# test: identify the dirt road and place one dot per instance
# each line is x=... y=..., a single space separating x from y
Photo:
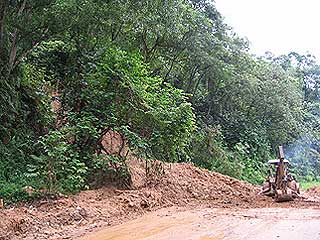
x=216 y=224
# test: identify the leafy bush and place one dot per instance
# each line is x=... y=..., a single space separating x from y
x=24 y=113
x=208 y=151
x=59 y=167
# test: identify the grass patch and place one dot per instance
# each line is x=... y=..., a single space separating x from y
x=307 y=185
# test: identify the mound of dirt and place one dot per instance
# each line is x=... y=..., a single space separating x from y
x=182 y=183
x=164 y=185
x=313 y=193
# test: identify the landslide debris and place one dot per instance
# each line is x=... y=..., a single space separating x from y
x=156 y=185
x=182 y=183
x=313 y=193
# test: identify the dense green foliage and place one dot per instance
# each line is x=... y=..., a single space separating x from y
x=170 y=76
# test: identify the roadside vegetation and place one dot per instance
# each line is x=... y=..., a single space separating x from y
x=306 y=185
x=170 y=76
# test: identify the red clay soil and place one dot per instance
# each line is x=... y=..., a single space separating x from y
x=165 y=185
x=313 y=193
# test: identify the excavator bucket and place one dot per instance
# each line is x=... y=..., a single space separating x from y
x=283 y=196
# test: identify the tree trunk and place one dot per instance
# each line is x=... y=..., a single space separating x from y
x=3 y=8
x=13 y=51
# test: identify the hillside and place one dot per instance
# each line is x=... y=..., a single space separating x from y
x=111 y=109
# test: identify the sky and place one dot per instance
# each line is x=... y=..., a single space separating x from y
x=279 y=26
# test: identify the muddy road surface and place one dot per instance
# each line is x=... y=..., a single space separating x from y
x=216 y=224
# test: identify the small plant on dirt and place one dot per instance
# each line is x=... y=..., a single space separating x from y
x=58 y=167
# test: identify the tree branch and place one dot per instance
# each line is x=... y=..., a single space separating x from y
x=172 y=64
x=3 y=9
x=115 y=34
x=27 y=51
